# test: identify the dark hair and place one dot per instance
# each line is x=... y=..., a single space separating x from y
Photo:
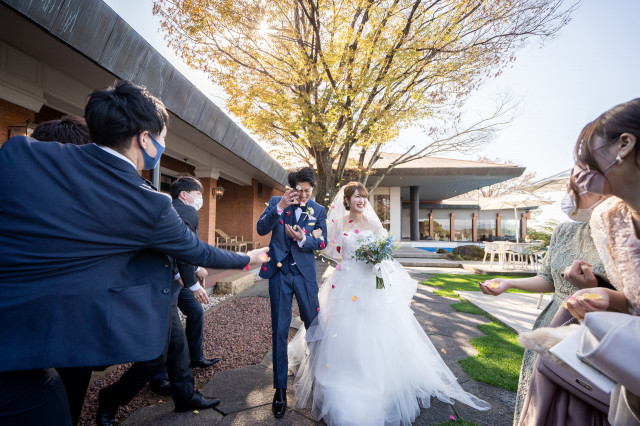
x=69 y=129
x=350 y=189
x=119 y=112
x=304 y=174
x=623 y=118
x=184 y=183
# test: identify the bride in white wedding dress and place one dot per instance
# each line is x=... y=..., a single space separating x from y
x=366 y=360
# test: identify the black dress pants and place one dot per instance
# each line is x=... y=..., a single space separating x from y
x=33 y=397
x=76 y=381
x=176 y=354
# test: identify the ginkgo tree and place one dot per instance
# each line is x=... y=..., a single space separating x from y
x=330 y=82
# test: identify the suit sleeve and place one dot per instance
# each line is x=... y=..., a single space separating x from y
x=171 y=236
x=187 y=270
x=317 y=243
x=269 y=217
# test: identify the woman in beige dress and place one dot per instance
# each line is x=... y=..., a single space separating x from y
x=568 y=266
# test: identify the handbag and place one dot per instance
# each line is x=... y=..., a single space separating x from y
x=610 y=343
x=569 y=379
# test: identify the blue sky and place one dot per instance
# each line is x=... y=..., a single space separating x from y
x=590 y=66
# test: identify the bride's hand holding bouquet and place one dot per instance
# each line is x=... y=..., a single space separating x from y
x=376 y=250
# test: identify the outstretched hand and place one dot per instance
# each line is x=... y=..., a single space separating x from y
x=494 y=287
x=257 y=257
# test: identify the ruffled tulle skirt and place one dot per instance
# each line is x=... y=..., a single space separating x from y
x=366 y=360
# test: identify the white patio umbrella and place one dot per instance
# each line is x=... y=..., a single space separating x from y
x=557 y=182
x=514 y=201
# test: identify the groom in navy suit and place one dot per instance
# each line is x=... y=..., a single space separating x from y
x=292 y=268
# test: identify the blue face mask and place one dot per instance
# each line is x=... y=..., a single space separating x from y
x=149 y=161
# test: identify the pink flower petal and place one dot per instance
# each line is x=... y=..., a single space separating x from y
x=452 y=418
x=356 y=232
x=338 y=267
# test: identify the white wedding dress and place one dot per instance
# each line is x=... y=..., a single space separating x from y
x=366 y=360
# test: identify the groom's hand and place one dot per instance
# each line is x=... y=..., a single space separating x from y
x=297 y=234
x=290 y=197
x=258 y=257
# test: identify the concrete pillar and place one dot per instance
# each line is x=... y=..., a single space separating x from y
x=431 y=224
x=499 y=225
x=474 y=227
x=395 y=212
x=452 y=227
x=414 y=211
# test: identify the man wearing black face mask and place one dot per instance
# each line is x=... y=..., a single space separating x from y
x=84 y=278
x=186 y=193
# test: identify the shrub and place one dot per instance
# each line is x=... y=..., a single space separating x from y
x=469 y=252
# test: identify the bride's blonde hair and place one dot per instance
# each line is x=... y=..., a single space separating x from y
x=350 y=189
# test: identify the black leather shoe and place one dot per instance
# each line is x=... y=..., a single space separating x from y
x=197 y=402
x=279 y=405
x=161 y=387
x=203 y=363
x=107 y=410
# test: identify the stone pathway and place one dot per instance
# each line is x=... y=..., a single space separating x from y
x=246 y=393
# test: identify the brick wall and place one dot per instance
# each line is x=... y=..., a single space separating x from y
x=11 y=115
x=235 y=210
x=240 y=208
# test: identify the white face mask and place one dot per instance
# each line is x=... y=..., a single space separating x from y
x=568 y=206
x=197 y=202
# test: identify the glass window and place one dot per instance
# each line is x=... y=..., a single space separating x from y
x=441 y=230
x=509 y=228
x=486 y=229
x=463 y=228
x=382 y=207
x=165 y=183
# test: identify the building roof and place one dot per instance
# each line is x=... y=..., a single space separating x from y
x=96 y=32
x=442 y=178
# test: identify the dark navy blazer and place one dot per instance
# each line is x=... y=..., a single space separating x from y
x=280 y=244
x=84 y=274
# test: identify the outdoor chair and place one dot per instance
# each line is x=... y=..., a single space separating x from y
x=224 y=241
x=490 y=249
x=254 y=244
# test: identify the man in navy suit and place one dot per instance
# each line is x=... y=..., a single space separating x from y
x=291 y=270
x=186 y=195
x=84 y=274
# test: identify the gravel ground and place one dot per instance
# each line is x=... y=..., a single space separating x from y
x=238 y=332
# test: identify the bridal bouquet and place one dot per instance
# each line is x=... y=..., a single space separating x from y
x=375 y=250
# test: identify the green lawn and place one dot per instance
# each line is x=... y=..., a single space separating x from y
x=449 y=283
x=499 y=354
x=457 y=422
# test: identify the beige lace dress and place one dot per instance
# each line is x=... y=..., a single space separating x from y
x=570 y=241
x=619 y=247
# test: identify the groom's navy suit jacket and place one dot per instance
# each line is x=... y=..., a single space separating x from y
x=84 y=275
x=281 y=244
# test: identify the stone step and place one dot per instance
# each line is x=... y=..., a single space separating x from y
x=234 y=284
